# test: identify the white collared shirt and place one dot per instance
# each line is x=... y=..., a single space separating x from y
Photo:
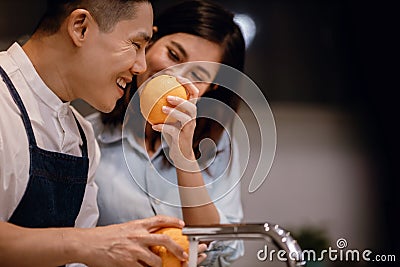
x=54 y=127
x=132 y=186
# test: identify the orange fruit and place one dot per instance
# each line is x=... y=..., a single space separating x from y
x=154 y=96
x=168 y=259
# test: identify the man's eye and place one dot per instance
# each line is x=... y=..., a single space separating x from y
x=174 y=56
x=137 y=45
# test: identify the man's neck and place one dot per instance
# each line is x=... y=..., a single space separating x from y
x=50 y=64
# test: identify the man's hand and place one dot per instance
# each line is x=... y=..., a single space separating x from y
x=128 y=244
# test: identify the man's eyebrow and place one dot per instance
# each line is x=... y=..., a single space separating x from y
x=143 y=35
x=180 y=48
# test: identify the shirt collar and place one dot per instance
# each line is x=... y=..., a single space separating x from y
x=138 y=144
x=37 y=85
x=109 y=134
x=123 y=134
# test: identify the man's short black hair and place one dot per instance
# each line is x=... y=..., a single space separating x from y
x=106 y=13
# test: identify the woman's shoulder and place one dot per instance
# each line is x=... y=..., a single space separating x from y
x=106 y=134
x=226 y=140
x=95 y=120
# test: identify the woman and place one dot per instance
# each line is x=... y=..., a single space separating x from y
x=187 y=32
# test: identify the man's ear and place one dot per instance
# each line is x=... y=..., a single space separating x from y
x=151 y=42
x=77 y=25
x=155 y=29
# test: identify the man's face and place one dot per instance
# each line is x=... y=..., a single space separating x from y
x=110 y=59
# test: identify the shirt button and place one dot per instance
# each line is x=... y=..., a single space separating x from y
x=63 y=111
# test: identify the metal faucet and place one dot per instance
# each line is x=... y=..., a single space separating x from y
x=272 y=233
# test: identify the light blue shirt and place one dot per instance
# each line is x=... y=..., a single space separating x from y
x=134 y=186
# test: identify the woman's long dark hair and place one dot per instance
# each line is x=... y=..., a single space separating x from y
x=212 y=22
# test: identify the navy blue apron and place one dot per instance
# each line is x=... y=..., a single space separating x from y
x=57 y=181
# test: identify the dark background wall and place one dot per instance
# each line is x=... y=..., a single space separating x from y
x=331 y=54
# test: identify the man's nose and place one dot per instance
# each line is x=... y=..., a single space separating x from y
x=139 y=66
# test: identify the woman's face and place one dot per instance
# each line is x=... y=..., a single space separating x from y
x=180 y=48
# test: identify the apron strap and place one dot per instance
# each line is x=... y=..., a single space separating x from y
x=17 y=99
x=83 y=136
x=25 y=118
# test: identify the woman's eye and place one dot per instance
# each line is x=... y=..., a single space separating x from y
x=173 y=55
x=196 y=77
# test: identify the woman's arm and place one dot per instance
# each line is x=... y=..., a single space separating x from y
x=197 y=206
x=226 y=174
x=191 y=181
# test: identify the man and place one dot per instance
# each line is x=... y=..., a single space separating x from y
x=81 y=49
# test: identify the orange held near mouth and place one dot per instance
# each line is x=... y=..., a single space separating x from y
x=168 y=259
x=154 y=97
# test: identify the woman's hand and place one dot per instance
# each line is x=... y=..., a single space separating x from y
x=179 y=135
x=201 y=256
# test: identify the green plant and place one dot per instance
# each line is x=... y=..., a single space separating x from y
x=314 y=238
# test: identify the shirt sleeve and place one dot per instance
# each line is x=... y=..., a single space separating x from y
x=3 y=178
x=223 y=181
x=2 y=175
x=13 y=177
x=230 y=205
